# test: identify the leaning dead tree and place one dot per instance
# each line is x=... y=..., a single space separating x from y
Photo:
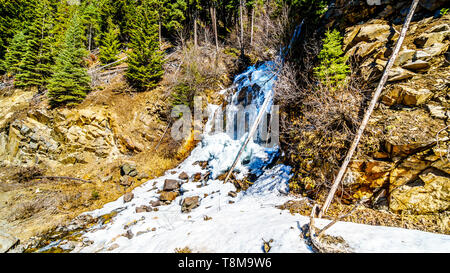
x=374 y=101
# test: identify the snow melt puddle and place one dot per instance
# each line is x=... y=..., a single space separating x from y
x=223 y=223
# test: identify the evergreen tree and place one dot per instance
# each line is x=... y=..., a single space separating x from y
x=145 y=60
x=91 y=20
x=15 y=53
x=176 y=15
x=69 y=84
x=110 y=44
x=14 y=17
x=35 y=68
x=333 y=68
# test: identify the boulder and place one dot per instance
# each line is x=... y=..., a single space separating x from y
x=168 y=196
x=183 y=176
x=156 y=203
x=143 y=209
x=189 y=203
x=414 y=97
x=403 y=94
x=128 y=168
x=128 y=197
x=373 y=32
x=197 y=177
x=171 y=185
x=430 y=193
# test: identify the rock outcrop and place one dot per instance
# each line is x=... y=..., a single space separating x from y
x=411 y=125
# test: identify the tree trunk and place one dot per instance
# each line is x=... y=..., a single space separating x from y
x=195 y=30
x=90 y=37
x=370 y=109
x=214 y=21
x=251 y=26
x=241 y=7
x=159 y=33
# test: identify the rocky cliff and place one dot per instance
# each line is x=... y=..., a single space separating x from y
x=406 y=166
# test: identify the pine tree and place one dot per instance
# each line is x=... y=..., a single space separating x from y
x=14 y=16
x=110 y=44
x=15 y=53
x=176 y=15
x=145 y=60
x=69 y=84
x=91 y=21
x=333 y=68
x=35 y=68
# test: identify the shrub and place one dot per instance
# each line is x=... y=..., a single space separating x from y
x=332 y=69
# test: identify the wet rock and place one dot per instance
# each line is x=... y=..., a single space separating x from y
x=128 y=197
x=171 y=185
x=430 y=193
x=168 y=196
x=189 y=203
x=7 y=242
x=183 y=176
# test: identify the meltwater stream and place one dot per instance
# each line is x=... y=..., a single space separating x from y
x=216 y=222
